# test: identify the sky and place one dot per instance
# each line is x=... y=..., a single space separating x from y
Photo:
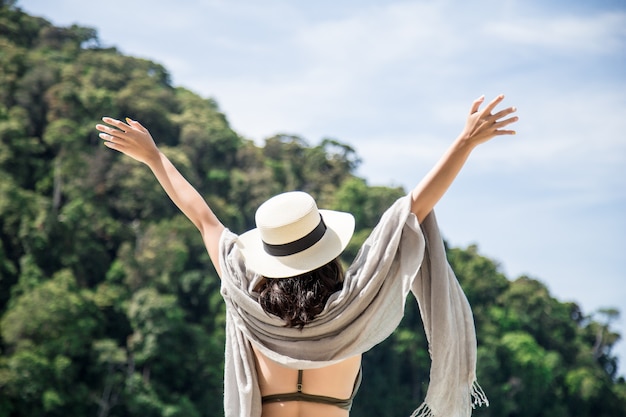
x=395 y=80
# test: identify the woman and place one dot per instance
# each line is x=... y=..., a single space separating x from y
x=296 y=324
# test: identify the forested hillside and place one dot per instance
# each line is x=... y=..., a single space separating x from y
x=109 y=305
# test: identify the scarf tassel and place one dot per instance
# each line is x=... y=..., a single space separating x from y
x=479 y=398
x=423 y=411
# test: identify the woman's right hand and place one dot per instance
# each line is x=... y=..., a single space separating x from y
x=130 y=138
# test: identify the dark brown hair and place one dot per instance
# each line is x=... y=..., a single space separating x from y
x=298 y=299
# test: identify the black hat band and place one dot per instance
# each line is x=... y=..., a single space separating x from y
x=299 y=245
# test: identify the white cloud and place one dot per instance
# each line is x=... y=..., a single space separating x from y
x=376 y=37
x=596 y=33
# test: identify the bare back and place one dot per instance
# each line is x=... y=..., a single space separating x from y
x=335 y=381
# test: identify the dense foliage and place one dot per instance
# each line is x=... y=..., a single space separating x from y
x=109 y=305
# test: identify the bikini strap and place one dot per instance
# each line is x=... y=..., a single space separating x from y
x=299 y=386
x=320 y=399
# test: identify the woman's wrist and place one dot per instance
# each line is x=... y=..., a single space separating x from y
x=154 y=158
x=464 y=143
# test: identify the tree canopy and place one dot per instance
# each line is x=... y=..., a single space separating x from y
x=109 y=304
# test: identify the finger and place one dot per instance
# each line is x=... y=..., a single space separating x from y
x=476 y=104
x=505 y=112
x=135 y=124
x=105 y=128
x=106 y=137
x=505 y=122
x=109 y=130
x=504 y=132
x=117 y=123
x=114 y=146
x=493 y=104
x=111 y=138
x=102 y=128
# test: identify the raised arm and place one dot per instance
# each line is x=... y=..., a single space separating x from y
x=481 y=126
x=134 y=140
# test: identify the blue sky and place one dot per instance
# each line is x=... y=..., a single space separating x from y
x=395 y=79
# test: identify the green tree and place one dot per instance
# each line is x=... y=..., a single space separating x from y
x=48 y=333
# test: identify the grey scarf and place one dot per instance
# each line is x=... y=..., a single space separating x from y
x=399 y=256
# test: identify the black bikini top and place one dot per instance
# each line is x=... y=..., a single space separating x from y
x=320 y=399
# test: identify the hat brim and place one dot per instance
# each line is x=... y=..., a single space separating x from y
x=340 y=227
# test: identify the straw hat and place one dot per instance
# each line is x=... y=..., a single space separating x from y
x=293 y=236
